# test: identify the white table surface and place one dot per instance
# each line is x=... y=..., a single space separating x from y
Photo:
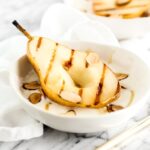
x=29 y=13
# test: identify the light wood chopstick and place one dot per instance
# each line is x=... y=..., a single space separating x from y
x=126 y=134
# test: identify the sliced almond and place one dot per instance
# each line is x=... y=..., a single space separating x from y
x=92 y=58
x=31 y=86
x=112 y=107
x=121 y=76
x=70 y=113
x=122 y=2
x=70 y=96
x=35 y=98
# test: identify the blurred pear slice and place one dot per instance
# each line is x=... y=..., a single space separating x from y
x=121 y=8
x=70 y=77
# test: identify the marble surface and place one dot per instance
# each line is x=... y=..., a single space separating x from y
x=29 y=13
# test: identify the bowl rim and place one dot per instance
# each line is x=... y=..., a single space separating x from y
x=126 y=109
x=118 y=19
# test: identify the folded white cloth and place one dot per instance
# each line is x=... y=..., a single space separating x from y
x=15 y=123
x=64 y=24
x=140 y=46
x=67 y=23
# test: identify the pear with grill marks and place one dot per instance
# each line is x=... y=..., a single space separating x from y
x=70 y=77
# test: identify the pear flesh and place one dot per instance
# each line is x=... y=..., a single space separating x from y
x=70 y=77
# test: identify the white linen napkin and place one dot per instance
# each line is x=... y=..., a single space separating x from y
x=15 y=123
x=139 y=46
x=62 y=23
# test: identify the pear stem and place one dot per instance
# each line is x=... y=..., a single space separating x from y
x=20 y=28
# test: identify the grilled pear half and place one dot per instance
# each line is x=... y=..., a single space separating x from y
x=70 y=77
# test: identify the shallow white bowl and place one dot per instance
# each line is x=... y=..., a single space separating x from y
x=122 y=28
x=123 y=60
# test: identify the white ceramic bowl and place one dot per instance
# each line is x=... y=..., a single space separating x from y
x=123 y=28
x=122 y=61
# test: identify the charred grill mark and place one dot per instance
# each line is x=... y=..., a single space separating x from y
x=38 y=43
x=62 y=86
x=86 y=63
x=77 y=85
x=100 y=86
x=106 y=15
x=68 y=63
x=98 y=93
x=80 y=92
x=50 y=64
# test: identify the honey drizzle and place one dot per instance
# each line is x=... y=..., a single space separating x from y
x=50 y=64
x=68 y=63
x=132 y=95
